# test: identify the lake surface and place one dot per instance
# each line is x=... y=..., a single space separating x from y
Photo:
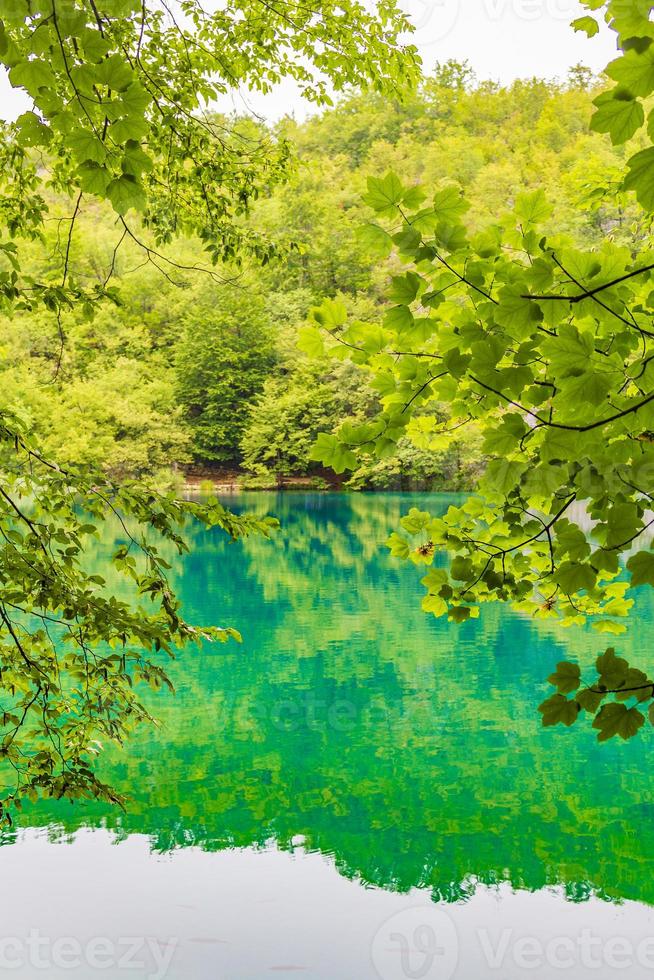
x=357 y=791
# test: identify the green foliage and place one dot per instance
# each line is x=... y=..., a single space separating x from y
x=221 y=363
x=285 y=421
x=616 y=699
x=74 y=650
x=118 y=123
x=546 y=349
x=119 y=92
x=113 y=396
x=623 y=109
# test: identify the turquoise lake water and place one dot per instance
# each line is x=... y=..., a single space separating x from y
x=357 y=791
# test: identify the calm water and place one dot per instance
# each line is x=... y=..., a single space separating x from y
x=357 y=791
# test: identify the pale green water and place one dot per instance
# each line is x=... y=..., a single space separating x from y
x=406 y=751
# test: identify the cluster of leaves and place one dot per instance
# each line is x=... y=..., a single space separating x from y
x=615 y=699
x=71 y=651
x=120 y=90
x=623 y=110
x=547 y=349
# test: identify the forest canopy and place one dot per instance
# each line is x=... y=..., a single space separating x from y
x=190 y=374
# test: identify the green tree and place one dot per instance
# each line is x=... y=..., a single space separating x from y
x=285 y=420
x=222 y=362
x=119 y=91
x=546 y=348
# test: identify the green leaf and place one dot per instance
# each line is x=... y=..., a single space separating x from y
x=461 y=614
x=504 y=475
x=32 y=132
x=416 y=520
x=636 y=685
x=618 y=114
x=376 y=241
x=134 y=100
x=450 y=204
x=612 y=670
x=32 y=76
x=516 y=314
x=609 y=626
x=622 y=522
x=434 y=604
x=329 y=451
x=124 y=193
x=129 y=128
x=87 y=146
x=616 y=719
x=311 y=342
x=566 y=678
x=640 y=177
x=136 y=161
x=569 y=352
x=399 y=546
x=558 y=710
x=571 y=541
x=93 y=178
x=413 y=198
x=435 y=579
x=591 y=387
x=589 y=700
x=331 y=314
x=532 y=208
x=399 y=318
x=404 y=289
x=385 y=194
x=641 y=566
x=634 y=70
x=587 y=24
x=575 y=577
x=114 y=72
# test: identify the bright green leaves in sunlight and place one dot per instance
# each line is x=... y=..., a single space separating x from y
x=622 y=110
x=619 y=115
x=541 y=348
x=616 y=698
x=586 y=24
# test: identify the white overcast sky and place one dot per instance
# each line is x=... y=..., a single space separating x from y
x=502 y=40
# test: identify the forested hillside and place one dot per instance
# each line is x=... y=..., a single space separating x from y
x=200 y=372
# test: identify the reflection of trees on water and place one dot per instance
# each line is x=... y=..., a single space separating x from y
x=407 y=749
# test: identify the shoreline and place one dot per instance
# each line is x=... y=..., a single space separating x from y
x=243 y=483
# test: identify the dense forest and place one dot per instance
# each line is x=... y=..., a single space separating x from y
x=193 y=375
